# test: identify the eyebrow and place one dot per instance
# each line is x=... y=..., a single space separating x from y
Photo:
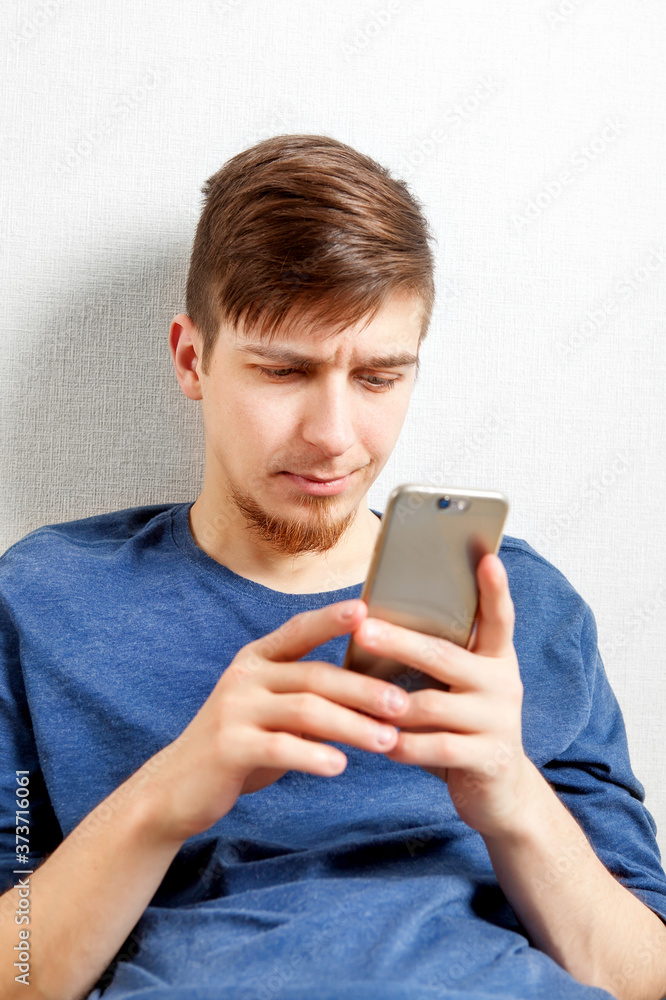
x=290 y=358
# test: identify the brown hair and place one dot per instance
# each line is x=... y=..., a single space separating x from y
x=303 y=227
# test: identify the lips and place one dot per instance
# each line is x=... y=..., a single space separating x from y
x=318 y=479
x=318 y=487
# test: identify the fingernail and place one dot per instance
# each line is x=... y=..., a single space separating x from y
x=347 y=610
x=385 y=735
x=394 y=699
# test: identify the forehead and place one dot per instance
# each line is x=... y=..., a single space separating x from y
x=389 y=340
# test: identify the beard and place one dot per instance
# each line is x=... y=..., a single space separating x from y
x=318 y=530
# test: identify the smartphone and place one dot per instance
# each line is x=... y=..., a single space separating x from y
x=423 y=571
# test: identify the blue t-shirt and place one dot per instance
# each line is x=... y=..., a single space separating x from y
x=114 y=630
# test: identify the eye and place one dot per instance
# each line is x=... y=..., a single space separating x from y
x=280 y=374
x=384 y=383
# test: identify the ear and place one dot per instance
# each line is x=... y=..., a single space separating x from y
x=185 y=347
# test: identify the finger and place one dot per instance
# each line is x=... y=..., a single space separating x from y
x=302 y=633
x=431 y=654
x=303 y=712
x=285 y=752
x=441 y=750
x=494 y=632
x=434 y=711
x=371 y=695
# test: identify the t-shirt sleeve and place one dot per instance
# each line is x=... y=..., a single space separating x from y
x=19 y=757
x=594 y=779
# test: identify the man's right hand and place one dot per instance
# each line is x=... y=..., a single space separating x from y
x=265 y=716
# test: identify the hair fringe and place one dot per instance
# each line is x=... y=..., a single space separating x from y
x=304 y=229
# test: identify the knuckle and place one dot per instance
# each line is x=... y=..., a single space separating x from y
x=428 y=705
x=432 y=651
x=274 y=748
x=409 y=754
x=510 y=685
x=272 y=641
x=441 y=649
x=230 y=709
x=314 y=674
x=443 y=646
x=306 y=707
x=228 y=738
x=516 y=692
x=369 y=728
x=447 y=749
x=430 y=647
x=269 y=644
x=248 y=664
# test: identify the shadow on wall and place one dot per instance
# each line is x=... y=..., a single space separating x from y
x=93 y=418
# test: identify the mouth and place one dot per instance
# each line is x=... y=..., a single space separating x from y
x=320 y=479
x=316 y=486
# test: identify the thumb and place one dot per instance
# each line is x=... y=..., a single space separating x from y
x=302 y=633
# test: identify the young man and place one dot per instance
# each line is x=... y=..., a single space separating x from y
x=208 y=805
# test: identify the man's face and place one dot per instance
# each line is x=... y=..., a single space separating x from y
x=269 y=419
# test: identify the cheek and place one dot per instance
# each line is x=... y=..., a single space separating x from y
x=245 y=426
x=380 y=427
x=228 y=407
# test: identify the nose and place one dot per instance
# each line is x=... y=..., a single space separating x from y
x=328 y=420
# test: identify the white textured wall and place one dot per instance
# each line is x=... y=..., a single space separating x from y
x=533 y=131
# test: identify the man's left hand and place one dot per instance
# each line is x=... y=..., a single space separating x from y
x=471 y=735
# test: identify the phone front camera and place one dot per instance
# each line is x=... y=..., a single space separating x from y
x=444 y=502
